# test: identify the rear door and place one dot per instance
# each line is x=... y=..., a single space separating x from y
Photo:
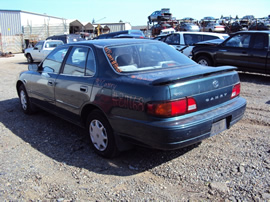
x=236 y=51
x=74 y=83
x=259 y=52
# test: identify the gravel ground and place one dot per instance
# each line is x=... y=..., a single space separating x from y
x=45 y=158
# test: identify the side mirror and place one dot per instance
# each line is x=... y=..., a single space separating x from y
x=33 y=67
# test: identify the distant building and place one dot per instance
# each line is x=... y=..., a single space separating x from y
x=19 y=28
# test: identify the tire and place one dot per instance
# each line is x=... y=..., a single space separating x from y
x=101 y=135
x=29 y=58
x=26 y=105
x=204 y=60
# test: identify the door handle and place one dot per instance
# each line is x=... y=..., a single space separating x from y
x=84 y=89
x=50 y=83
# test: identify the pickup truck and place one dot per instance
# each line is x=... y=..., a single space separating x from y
x=41 y=50
x=247 y=50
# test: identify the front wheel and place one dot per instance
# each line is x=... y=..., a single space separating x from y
x=26 y=105
x=29 y=58
x=101 y=135
x=204 y=60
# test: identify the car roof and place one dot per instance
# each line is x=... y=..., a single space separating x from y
x=205 y=33
x=254 y=31
x=120 y=41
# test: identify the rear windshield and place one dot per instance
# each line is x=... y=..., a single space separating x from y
x=145 y=56
x=53 y=44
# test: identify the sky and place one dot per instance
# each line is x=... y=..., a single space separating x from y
x=136 y=11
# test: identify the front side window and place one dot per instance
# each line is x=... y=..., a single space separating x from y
x=39 y=45
x=52 y=63
x=146 y=56
x=239 y=41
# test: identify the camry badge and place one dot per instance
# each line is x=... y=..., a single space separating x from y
x=215 y=83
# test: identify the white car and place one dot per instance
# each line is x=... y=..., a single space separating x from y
x=183 y=41
x=41 y=50
x=213 y=27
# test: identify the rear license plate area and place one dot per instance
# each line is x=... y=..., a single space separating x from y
x=218 y=127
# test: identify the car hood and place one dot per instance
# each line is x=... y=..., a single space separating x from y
x=28 y=49
x=180 y=74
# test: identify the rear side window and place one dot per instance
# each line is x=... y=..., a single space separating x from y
x=75 y=64
x=208 y=37
x=260 y=41
x=190 y=39
x=80 y=62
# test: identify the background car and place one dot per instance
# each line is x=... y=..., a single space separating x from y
x=191 y=27
x=259 y=25
x=247 y=50
x=67 y=38
x=163 y=14
x=233 y=27
x=247 y=20
x=213 y=27
x=183 y=41
x=123 y=34
x=41 y=50
x=130 y=91
x=156 y=29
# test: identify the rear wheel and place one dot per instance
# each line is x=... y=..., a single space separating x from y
x=101 y=135
x=26 y=105
x=29 y=58
x=204 y=60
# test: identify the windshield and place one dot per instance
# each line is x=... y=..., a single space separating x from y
x=142 y=57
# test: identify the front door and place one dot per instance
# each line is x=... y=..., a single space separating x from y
x=235 y=51
x=43 y=82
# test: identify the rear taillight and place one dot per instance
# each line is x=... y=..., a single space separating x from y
x=235 y=91
x=172 y=108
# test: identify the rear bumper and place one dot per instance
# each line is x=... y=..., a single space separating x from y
x=179 y=132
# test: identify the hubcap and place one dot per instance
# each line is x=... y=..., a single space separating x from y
x=29 y=59
x=98 y=135
x=23 y=100
x=203 y=62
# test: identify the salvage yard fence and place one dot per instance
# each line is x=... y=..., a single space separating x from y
x=13 y=44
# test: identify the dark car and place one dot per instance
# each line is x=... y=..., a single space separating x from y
x=122 y=34
x=247 y=20
x=259 y=26
x=163 y=14
x=248 y=50
x=130 y=91
x=67 y=38
x=156 y=29
x=233 y=27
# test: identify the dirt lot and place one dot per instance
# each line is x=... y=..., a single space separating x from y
x=45 y=158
